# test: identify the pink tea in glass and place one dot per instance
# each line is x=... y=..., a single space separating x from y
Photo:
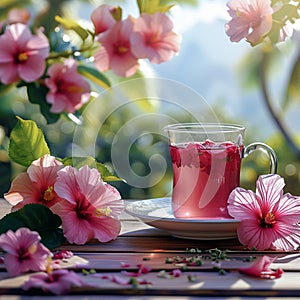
x=206 y=161
x=204 y=174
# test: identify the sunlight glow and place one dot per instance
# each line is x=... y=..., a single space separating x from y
x=205 y=12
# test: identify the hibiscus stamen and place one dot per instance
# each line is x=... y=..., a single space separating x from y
x=32 y=248
x=99 y=212
x=153 y=38
x=49 y=194
x=122 y=49
x=75 y=89
x=268 y=221
x=22 y=56
x=49 y=266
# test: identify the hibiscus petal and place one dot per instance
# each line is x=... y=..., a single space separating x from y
x=39 y=44
x=99 y=193
x=65 y=184
x=23 y=190
x=253 y=236
x=76 y=230
x=269 y=189
x=7 y=49
x=102 y=61
x=242 y=204
x=261 y=30
x=32 y=69
x=19 y=32
x=87 y=178
x=58 y=102
x=287 y=236
x=9 y=242
x=287 y=209
x=44 y=170
x=237 y=29
x=261 y=268
x=8 y=73
x=106 y=229
x=102 y=18
x=124 y=66
x=12 y=265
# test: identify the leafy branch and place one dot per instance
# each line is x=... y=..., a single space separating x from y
x=268 y=101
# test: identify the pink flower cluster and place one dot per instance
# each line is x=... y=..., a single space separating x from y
x=88 y=206
x=29 y=57
x=23 y=57
x=252 y=19
x=124 y=42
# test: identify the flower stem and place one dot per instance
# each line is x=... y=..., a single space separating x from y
x=267 y=99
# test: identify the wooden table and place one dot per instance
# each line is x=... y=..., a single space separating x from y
x=140 y=244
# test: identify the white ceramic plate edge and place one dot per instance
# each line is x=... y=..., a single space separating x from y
x=188 y=228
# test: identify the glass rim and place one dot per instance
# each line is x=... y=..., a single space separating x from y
x=205 y=127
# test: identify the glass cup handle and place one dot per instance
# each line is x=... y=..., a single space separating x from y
x=266 y=149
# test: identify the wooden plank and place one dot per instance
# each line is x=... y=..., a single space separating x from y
x=158 y=261
x=210 y=284
x=151 y=243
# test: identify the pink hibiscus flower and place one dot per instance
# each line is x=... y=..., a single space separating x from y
x=269 y=218
x=115 y=50
x=102 y=18
x=58 y=282
x=68 y=91
x=91 y=206
x=22 y=55
x=37 y=185
x=153 y=38
x=24 y=252
x=251 y=19
x=261 y=268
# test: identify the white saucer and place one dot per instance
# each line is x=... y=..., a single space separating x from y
x=158 y=213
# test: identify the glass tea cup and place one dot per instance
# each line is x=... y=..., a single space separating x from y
x=206 y=162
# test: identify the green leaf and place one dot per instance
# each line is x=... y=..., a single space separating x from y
x=117 y=13
x=106 y=175
x=27 y=143
x=293 y=91
x=152 y=6
x=72 y=25
x=5 y=175
x=287 y=11
x=78 y=162
x=37 y=95
x=94 y=75
x=4 y=88
x=36 y=217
